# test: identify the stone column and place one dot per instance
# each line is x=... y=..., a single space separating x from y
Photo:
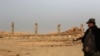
x=59 y=29
x=36 y=29
x=12 y=28
x=82 y=29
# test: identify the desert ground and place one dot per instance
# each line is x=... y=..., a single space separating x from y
x=18 y=47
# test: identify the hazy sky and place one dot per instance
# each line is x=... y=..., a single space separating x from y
x=48 y=13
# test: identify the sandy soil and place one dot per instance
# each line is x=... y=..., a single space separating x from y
x=13 y=47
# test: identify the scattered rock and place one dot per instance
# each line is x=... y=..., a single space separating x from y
x=17 y=55
x=1 y=37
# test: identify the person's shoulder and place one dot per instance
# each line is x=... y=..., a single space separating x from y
x=87 y=30
x=98 y=29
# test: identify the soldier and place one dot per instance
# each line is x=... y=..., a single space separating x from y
x=91 y=39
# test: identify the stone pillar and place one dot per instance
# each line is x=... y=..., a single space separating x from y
x=59 y=29
x=12 y=28
x=82 y=29
x=36 y=29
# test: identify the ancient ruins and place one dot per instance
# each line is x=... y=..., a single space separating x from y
x=59 y=38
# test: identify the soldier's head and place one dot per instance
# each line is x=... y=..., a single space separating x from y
x=91 y=22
